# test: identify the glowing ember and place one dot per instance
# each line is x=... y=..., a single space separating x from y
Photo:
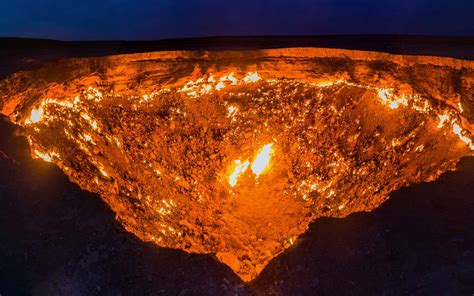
x=262 y=160
x=102 y=171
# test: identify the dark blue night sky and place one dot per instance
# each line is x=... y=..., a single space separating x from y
x=157 y=19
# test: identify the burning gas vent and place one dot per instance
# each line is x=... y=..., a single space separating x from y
x=236 y=153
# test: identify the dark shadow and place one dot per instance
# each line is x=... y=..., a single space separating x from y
x=420 y=241
x=59 y=240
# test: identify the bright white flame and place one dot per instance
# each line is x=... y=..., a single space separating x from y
x=94 y=94
x=211 y=79
x=459 y=132
x=48 y=157
x=456 y=130
x=206 y=89
x=230 y=77
x=394 y=105
x=442 y=120
x=262 y=159
x=88 y=138
x=389 y=99
x=43 y=156
x=240 y=168
x=36 y=115
x=232 y=110
x=94 y=125
x=220 y=85
x=252 y=77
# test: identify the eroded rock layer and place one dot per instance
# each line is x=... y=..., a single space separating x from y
x=235 y=153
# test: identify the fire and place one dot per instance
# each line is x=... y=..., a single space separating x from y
x=240 y=168
x=442 y=120
x=43 y=156
x=262 y=160
x=457 y=130
x=211 y=79
x=230 y=77
x=252 y=77
x=93 y=94
x=36 y=115
x=391 y=100
x=205 y=86
x=326 y=83
x=259 y=165
x=48 y=157
x=88 y=138
x=220 y=85
x=103 y=172
x=232 y=110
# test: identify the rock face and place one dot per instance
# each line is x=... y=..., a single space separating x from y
x=235 y=153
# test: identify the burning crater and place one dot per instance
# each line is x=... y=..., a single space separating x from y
x=235 y=153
